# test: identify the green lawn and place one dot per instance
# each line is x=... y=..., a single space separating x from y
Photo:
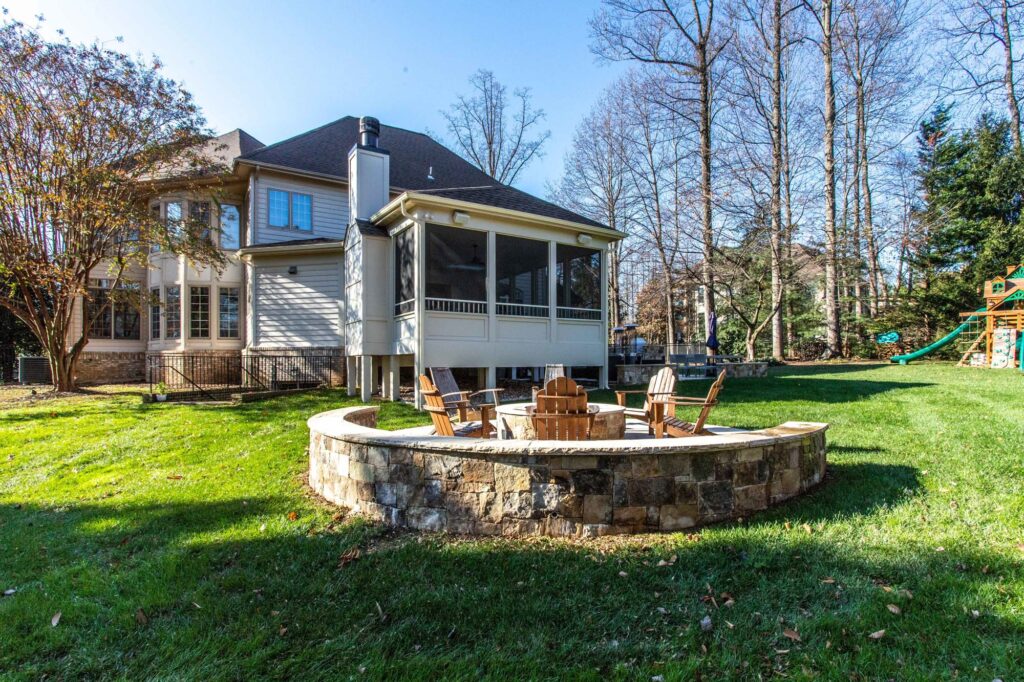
x=179 y=541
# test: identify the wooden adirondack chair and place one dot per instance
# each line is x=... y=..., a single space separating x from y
x=433 y=402
x=457 y=401
x=561 y=412
x=662 y=386
x=551 y=372
x=665 y=421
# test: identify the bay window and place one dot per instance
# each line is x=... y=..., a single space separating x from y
x=522 y=276
x=456 y=270
x=578 y=276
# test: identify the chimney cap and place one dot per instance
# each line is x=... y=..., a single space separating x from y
x=369 y=130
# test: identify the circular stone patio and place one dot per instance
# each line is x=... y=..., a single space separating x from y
x=411 y=478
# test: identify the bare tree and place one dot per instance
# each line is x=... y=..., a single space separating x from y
x=982 y=38
x=596 y=183
x=825 y=18
x=650 y=155
x=84 y=133
x=685 y=39
x=764 y=33
x=496 y=133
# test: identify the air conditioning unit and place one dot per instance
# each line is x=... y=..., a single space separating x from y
x=34 y=370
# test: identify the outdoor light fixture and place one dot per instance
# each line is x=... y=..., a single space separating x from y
x=460 y=217
x=584 y=238
x=293 y=269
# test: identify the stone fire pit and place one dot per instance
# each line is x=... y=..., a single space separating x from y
x=411 y=478
x=514 y=421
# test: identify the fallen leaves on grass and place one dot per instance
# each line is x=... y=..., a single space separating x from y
x=293 y=516
x=140 y=617
x=791 y=634
x=175 y=477
x=828 y=580
x=706 y=624
x=384 y=616
x=893 y=609
x=348 y=557
x=668 y=562
x=10 y=592
x=55 y=619
x=877 y=634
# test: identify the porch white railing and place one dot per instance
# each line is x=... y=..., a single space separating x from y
x=456 y=305
x=565 y=313
x=522 y=310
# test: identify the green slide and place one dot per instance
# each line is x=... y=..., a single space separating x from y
x=941 y=343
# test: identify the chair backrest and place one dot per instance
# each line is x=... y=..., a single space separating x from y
x=709 y=402
x=434 y=404
x=561 y=412
x=445 y=382
x=662 y=385
x=553 y=372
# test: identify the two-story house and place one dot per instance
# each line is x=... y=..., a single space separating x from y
x=375 y=243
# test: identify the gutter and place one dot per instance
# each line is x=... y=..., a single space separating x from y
x=289 y=249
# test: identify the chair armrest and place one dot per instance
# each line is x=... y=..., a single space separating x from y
x=487 y=390
x=463 y=395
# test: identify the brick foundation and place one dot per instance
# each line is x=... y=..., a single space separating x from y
x=111 y=368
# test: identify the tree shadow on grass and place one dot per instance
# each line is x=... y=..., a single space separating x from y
x=218 y=604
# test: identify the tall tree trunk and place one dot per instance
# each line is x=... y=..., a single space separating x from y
x=778 y=348
x=856 y=261
x=832 y=334
x=875 y=281
x=670 y=306
x=1011 y=94
x=708 y=268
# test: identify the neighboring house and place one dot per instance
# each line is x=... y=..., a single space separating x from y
x=375 y=243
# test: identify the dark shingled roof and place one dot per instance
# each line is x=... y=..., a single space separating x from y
x=414 y=156
x=503 y=196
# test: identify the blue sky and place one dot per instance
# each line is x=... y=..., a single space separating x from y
x=277 y=69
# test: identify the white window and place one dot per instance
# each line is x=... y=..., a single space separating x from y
x=227 y=312
x=229 y=227
x=154 y=313
x=172 y=317
x=199 y=313
x=289 y=209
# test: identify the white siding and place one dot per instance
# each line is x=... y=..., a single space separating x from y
x=299 y=310
x=330 y=209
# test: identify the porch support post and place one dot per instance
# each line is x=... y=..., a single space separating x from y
x=351 y=374
x=394 y=385
x=492 y=377
x=365 y=378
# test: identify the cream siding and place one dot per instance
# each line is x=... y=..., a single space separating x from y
x=330 y=209
x=298 y=310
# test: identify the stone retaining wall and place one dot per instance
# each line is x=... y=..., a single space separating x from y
x=550 y=488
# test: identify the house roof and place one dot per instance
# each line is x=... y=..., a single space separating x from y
x=503 y=196
x=414 y=156
x=418 y=163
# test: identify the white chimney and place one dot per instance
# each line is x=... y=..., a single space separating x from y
x=369 y=172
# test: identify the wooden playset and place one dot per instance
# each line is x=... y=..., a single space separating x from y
x=997 y=327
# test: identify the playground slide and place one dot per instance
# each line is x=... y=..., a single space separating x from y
x=941 y=343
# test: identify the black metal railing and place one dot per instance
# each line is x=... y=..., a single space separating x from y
x=209 y=376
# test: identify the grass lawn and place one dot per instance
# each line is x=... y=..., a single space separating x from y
x=178 y=541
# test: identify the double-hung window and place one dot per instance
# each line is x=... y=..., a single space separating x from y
x=172 y=312
x=154 y=313
x=227 y=312
x=230 y=226
x=199 y=312
x=113 y=314
x=289 y=209
x=199 y=216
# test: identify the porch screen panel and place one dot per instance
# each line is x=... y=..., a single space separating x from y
x=405 y=272
x=579 y=282
x=456 y=269
x=522 y=276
